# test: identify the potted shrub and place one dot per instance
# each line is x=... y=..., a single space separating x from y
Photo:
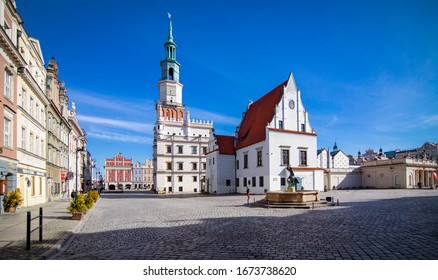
x=13 y=200
x=91 y=197
x=77 y=207
x=94 y=194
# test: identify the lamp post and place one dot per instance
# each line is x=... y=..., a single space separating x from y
x=81 y=149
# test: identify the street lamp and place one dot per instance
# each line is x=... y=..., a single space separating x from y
x=81 y=149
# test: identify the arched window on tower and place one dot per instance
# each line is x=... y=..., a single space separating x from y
x=170 y=73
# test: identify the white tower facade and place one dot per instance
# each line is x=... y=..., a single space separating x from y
x=180 y=143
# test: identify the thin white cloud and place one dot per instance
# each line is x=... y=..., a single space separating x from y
x=117 y=137
x=121 y=124
x=431 y=120
x=119 y=105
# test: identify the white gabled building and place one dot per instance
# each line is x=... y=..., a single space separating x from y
x=274 y=133
x=338 y=173
x=180 y=143
x=221 y=165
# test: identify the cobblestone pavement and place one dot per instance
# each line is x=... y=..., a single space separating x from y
x=367 y=224
x=57 y=228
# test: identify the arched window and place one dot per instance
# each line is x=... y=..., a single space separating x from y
x=170 y=73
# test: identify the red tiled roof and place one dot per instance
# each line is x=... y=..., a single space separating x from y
x=260 y=113
x=226 y=145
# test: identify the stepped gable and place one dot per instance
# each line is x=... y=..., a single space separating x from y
x=226 y=145
x=259 y=114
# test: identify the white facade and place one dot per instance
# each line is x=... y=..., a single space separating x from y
x=137 y=178
x=338 y=172
x=180 y=162
x=31 y=124
x=221 y=166
x=266 y=144
x=180 y=143
x=76 y=150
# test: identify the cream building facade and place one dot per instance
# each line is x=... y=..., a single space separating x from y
x=147 y=170
x=32 y=124
x=58 y=130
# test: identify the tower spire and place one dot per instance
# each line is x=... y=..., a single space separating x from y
x=170 y=38
x=170 y=87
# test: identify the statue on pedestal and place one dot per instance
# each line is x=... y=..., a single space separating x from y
x=292 y=181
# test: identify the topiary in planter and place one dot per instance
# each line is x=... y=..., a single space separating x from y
x=13 y=200
x=94 y=195
x=89 y=201
x=77 y=205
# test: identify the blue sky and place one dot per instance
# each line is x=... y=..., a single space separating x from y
x=367 y=70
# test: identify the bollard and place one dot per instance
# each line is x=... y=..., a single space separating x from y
x=41 y=224
x=313 y=205
x=337 y=202
x=28 y=230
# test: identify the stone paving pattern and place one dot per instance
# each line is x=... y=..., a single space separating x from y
x=368 y=224
x=57 y=228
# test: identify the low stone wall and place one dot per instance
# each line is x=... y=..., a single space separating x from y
x=292 y=197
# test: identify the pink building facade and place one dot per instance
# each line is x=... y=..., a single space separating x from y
x=118 y=173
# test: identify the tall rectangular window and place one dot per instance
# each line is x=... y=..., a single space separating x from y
x=259 y=158
x=23 y=138
x=237 y=182
x=245 y=182
x=180 y=166
x=168 y=165
x=204 y=150
x=237 y=164
x=23 y=99
x=37 y=147
x=8 y=84
x=261 y=181
x=283 y=181
x=168 y=149
x=254 y=181
x=303 y=158
x=280 y=124
x=194 y=166
x=7 y=130
x=180 y=149
x=194 y=150
x=31 y=106
x=195 y=178
x=245 y=161
x=32 y=186
x=37 y=112
x=285 y=157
